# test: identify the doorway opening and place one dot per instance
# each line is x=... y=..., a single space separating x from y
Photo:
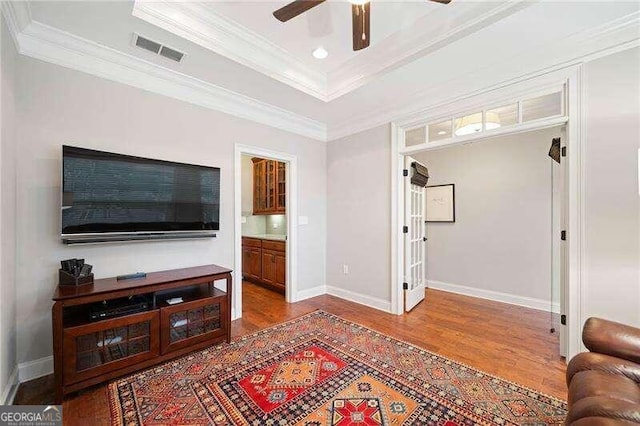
x=265 y=237
x=488 y=223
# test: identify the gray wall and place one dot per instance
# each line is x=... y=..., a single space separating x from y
x=501 y=239
x=7 y=214
x=612 y=219
x=358 y=214
x=59 y=106
x=359 y=188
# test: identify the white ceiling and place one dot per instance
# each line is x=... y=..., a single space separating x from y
x=247 y=32
x=327 y=25
x=421 y=54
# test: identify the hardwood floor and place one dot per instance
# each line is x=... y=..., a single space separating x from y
x=505 y=340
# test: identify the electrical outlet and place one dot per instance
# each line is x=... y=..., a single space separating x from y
x=275 y=225
x=345 y=269
x=243 y=219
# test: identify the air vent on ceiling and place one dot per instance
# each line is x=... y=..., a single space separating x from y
x=157 y=48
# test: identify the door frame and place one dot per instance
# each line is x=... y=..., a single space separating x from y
x=291 y=288
x=572 y=79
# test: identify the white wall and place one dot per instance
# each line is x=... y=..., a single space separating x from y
x=612 y=218
x=7 y=216
x=501 y=239
x=58 y=106
x=359 y=188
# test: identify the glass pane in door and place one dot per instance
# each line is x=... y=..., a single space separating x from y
x=112 y=344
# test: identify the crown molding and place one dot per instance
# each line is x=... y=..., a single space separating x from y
x=607 y=39
x=423 y=38
x=17 y=16
x=49 y=44
x=199 y=24
x=40 y=41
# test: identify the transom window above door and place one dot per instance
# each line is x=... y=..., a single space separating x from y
x=488 y=121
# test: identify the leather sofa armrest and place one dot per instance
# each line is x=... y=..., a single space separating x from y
x=602 y=421
x=596 y=406
x=595 y=361
x=612 y=338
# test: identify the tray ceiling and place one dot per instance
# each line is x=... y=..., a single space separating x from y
x=240 y=69
x=248 y=33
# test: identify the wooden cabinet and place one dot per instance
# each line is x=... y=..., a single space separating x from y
x=252 y=258
x=281 y=268
x=268 y=267
x=269 y=186
x=87 y=352
x=189 y=323
x=271 y=271
x=281 y=188
x=94 y=348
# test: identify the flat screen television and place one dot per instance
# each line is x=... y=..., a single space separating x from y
x=115 y=197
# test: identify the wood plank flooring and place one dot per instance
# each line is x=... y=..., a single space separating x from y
x=505 y=340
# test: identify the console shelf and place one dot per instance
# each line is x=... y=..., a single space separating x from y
x=88 y=352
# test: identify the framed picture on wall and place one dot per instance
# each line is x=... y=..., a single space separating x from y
x=441 y=203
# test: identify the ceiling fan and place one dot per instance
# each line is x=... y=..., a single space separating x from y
x=360 y=17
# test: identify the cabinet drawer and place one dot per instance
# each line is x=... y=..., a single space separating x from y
x=192 y=322
x=251 y=242
x=274 y=245
x=96 y=348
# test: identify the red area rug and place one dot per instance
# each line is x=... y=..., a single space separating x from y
x=322 y=370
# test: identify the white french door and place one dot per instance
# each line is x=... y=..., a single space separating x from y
x=415 y=271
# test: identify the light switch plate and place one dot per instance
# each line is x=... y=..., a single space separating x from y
x=243 y=219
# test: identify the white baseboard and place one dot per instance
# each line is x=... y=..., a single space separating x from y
x=528 y=302
x=10 y=388
x=33 y=369
x=311 y=292
x=363 y=299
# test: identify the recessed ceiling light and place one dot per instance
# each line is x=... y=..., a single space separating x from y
x=442 y=132
x=320 y=53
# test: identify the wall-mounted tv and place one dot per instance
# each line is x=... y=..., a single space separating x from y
x=115 y=197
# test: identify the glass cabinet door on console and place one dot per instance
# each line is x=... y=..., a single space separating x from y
x=94 y=348
x=191 y=322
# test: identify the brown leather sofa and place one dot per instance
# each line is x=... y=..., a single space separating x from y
x=604 y=384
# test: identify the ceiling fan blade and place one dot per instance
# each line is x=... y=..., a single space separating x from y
x=360 y=17
x=442 y=1
x=294 y=9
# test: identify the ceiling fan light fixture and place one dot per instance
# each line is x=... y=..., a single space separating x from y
x=320 y=53
x=359 y=2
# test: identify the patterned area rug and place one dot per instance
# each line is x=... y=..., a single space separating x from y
x=322 y=370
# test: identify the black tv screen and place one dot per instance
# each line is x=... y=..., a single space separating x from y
x=104 y=192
